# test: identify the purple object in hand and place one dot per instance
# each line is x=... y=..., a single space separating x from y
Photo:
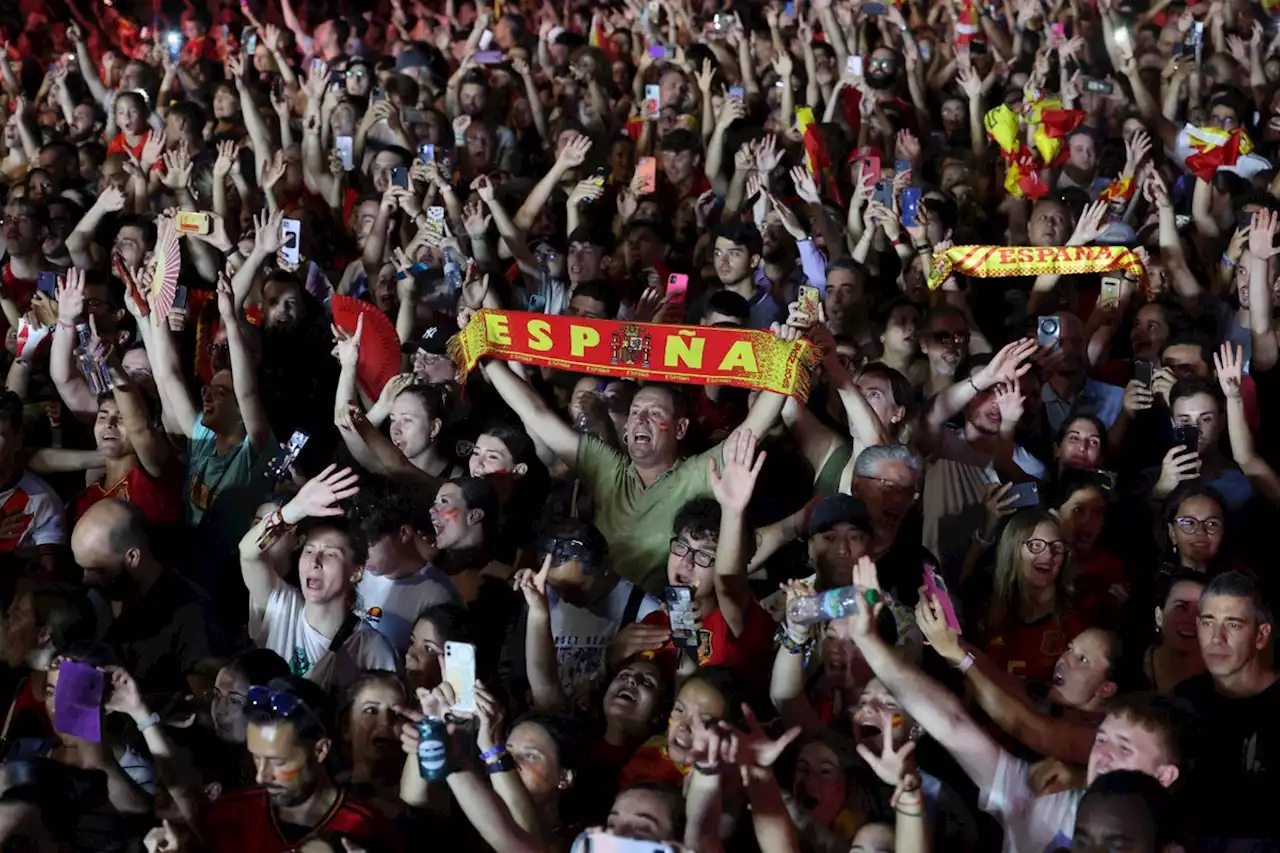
x=77 y=704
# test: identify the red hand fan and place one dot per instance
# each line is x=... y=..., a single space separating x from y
x=379 y=344
x=168 y=260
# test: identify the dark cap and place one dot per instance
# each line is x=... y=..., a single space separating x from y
x=434 y=340
x=837 y=509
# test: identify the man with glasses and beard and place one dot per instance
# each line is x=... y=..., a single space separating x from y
x=159 y=622
x=290 y=734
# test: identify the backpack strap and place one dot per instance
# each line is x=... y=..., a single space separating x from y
x=632 y=610
x=348 y=628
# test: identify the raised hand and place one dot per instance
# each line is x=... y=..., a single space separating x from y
x=266 y=235
x=177 y=164
x=274 y=172
x=932 y=621
x=1092 y=224
x=575 y=152
x=533 y=586
x=767 y=155
x=1007 y=364
x=489 y=719
x=1262 y=236
x=347 y=345
x=1010 y=401
x=227 y=151
x=733 y=483
x=152 y=150
x=71 y=297
x=1136 y=150
x=123 y=696
x=1228 y=364
x=890 y=763
x=320 y=496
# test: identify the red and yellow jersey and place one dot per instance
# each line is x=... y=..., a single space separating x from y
x=244 y=822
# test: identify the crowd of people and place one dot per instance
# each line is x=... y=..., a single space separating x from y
x=1001 y=579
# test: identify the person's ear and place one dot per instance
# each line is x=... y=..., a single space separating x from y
x=1264 y=636
x=212 y=791
x=1107 y=690
x=1159 y=618
x=407 y=533
x=475 y=517
x=1167 y=774
x=755 y=261
x=436 y=425
x=682 y=428
x=133 y=557
x=519 y=470
x=356 y=575
x=899 y=413
x=323 y=745
x=44 y=637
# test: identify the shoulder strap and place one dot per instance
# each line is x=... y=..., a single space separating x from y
x=632 y=610
x=348 y=628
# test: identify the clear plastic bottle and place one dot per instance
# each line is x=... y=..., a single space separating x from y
x=824 y=606
x=453 y=270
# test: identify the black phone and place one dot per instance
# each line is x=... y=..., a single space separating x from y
x=1024 y=495
x=180 y=297
x=47 y=283
x=1106 y=480
x=400 y=176
x=679 y=600
x=1144 y=371
x=278 y=467
x=1188 y=436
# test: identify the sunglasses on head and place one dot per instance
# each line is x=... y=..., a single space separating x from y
x=278 y=703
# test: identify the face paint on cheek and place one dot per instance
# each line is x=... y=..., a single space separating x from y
x=663 y=427
x=450 y=514
x=287 y=776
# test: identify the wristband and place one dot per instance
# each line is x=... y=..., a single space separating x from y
x=502 y=764
x=493 y=752
x=1226 y=260
x=792 y=646
x=972 y=385
x=150 y=721
x=63 y=324
x=968 y=661
x=896 y=241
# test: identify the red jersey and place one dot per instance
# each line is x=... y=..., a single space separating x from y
x=159 y=498
x=244 y=822
x=717 y=644
x=1030 y=651
x=118 y=145
x=20 y=290
x=652 y=763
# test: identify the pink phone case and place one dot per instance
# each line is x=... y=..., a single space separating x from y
x=937 y=587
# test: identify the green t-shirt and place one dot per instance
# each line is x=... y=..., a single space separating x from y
x=636 y=520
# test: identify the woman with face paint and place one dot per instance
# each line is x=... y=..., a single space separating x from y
x=370 y=735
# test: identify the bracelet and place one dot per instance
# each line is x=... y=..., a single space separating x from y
x=501 y=764
x=924 y=249
x=493 y=752
x=273 y=525
x=1226 y=260
x=63 y=324
x=964 y=665
x=895 y=241
x=793 y=647
x=973 y=385
x=150 y=721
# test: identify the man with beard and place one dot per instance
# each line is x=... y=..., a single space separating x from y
x=159 y=622
x=26 y=225
x=1237 y=768
x=85 y=295
x=737 y=258
x=290 y=734
x=1083 y=684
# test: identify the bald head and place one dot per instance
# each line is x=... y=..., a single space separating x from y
x=110 y=541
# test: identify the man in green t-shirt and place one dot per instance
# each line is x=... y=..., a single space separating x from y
x=638 y=492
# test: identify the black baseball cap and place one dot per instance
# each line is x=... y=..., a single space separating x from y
x=434 y=340
x=838 y=509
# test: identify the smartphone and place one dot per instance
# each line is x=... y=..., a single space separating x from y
x=598 y=177
x=660 y=52
x=290 y=236
x=677 y=287
x=1197 y=34
x=1122 y=40
x=181 y=298
x=809 y=299
x=278 y=465
x=400 y=176
x=1048 y=331
x=487 y=57
x=647 y=168
x=174 y=40
x=377 y=93
x=47 y=283
x=936 y=586
x=435 y=219
x=1109 y=296
x=901 y=167
x=853 y=65
x=486 y=39
x=427 y=152
x=192 y=222
x=412 y=116
x=790 y=10
x=1059 y=30
x=737 y=93
x=249 y=38
x=911 y=206
x=1188 y=435
x=1101 y=87
x=873 y=10
x=460 y=673
x=652 y=102
x=345 y=146
x=1024 y=495
x=599 y=841
x=884 y=193
x=926 y=51
x=679 y=600
x=871 y=169
x=1144 y=371
x=1106 y=480
x=978 y=47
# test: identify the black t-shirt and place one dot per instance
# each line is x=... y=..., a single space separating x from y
x=1234 y=783
x=164 y=634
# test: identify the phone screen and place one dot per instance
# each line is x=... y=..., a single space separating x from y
x=684 y=631
x=278 y=467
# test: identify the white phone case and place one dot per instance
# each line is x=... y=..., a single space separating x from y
x=460 y=673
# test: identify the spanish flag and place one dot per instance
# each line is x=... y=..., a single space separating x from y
x=1120 y=190
x=816 y=157
x=1215 y=149
x=1050 y=123
x=966 y=23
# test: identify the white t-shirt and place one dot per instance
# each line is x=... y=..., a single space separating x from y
x=33 y=497
x=392 y=606
x=583 y=636
x=1031 y=824
x=283 y=628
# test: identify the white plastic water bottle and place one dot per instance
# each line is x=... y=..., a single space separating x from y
x=824 y=606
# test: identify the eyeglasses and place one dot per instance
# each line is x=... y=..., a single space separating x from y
x=889 y=487
x=700 y=558
x=235 y=700
x=1191 y=524
x=1057 y=547
x=881 y=63
x=957 y=338
x=356 y=72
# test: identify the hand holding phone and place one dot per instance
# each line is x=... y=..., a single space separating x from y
x=647 y=169
x=677 y=287
x=936 y=587
x=810 y=301
x=684 y=627
x=911 y=206
x=278 y=466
